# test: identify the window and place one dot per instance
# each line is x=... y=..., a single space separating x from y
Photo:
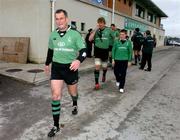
x=150 y=17
x=130 y=33
x=155 y=19
x=82 y=26
x=73 y=24
x=130 y=3
x=140 y=11
x=161 y=26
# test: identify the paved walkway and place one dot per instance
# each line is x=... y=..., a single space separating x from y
x=23 y=72
x=33 y=73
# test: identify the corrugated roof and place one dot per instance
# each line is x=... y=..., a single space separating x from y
x=152 y=6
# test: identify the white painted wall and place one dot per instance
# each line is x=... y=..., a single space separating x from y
x=27 y=18
x=119 y=21
x=81 y=12
x=32 y=18
x=44 y=29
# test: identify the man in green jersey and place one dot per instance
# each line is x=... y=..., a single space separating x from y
x=101 y=37
x=113 y=35
x=121 y=55
x=64 y=45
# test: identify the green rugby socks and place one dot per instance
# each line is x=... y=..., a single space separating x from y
x=96 y=75
x=56 y=108
x=74 y=99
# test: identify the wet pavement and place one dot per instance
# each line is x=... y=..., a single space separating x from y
x=25 y=110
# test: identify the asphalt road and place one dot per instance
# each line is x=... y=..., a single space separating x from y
x=149 y=109
x=157 y=116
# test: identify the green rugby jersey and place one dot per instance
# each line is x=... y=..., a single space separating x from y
x=113 y=35
x=66 y=48
x=122 y=51
x=101 y=38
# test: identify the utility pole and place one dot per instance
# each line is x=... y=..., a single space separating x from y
x=52 y=13
x=113 y=9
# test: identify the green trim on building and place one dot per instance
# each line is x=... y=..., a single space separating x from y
x=130 y=24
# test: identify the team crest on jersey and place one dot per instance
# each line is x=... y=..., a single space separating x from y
x=69 y=39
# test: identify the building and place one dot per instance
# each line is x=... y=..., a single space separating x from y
x=33 y=18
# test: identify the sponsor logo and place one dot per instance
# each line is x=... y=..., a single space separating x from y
x=61 y=44
x=64 y=49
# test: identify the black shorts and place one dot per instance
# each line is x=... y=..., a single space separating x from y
x=110 y=48
x=103 y=54
x=63 y=72
x=136 y=48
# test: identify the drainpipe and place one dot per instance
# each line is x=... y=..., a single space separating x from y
x=113 y=11
x=52 y=14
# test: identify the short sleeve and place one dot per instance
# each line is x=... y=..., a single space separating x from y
x=80 y=42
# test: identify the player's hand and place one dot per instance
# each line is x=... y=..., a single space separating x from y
x=47 y=70
x=75 y=65
x=91 y=37
x=96 y=28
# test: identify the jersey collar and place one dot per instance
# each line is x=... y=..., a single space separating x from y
x=62 y=33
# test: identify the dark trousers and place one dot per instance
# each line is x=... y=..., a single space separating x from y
x=120 y=69
x=146 y=57
x=89 y=49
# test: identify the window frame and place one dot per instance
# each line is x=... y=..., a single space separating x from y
x=140 y=11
